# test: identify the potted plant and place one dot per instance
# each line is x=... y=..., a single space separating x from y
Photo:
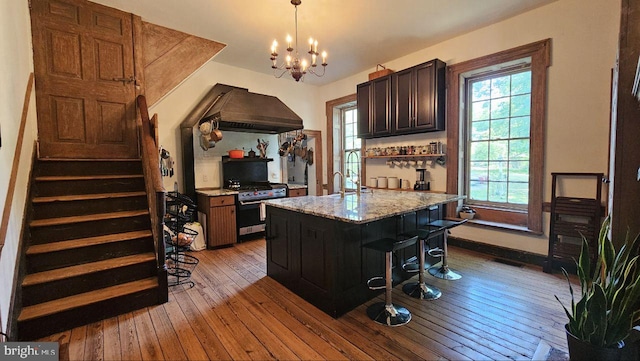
x=609 y=304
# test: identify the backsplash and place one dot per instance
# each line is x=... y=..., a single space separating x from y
x=208 y=164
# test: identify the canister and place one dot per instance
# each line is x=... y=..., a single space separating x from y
x=382 y=182
x=393 y=183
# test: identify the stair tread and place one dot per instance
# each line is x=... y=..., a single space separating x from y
x=86 y=242
x=86 y=268
x=86 y=177
x=84 y=197
x=83 y=299
x=86 y=218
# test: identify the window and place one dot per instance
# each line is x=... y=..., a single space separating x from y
x=351 y=146
x=497 y=142
x=496 y=111
x=341 y=137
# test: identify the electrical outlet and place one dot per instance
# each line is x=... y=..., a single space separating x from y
x=205 y=178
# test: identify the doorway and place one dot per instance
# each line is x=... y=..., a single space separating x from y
x=303 y=166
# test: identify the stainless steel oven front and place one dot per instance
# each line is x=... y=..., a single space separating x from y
x=248 y=218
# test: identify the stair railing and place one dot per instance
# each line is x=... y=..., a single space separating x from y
x=147 y=132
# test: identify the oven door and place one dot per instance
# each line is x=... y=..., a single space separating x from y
x=248 y=218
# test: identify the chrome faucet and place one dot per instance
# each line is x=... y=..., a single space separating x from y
x=341 y=183
x=358 y=182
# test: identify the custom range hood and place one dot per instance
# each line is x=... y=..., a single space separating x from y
x=242 y=111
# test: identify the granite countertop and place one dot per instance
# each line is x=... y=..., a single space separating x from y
x=216 y=192
x=296 y=186
x=369 y=207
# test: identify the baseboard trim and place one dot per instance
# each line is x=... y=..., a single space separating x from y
x=497 y=251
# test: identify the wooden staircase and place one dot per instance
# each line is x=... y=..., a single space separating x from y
x=90 y=252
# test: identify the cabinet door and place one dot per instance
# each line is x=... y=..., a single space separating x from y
x=403 y=89
x=381 y=106
x=430 y=88
x=315 y=257
x=364 y=110
x=279 y=248
x=425 y=96
x=222 y=226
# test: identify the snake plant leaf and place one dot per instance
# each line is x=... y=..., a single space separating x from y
x=584 y=266
x=597 y=311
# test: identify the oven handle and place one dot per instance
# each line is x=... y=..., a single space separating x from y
x=249 y=203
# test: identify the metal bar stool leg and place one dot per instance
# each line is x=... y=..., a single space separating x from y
x=421 y=290
x=444 y=271
x=386 y=313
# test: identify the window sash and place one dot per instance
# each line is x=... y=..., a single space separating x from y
x=350 y=143
x=469 y=142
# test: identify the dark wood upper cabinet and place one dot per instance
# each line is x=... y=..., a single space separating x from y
x=381 y=115
x=364 y=110
x=414 y=102
x=374 y=108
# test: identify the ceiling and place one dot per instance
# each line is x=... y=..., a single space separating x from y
x=357 y=34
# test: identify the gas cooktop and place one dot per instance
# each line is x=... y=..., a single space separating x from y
x=257 y=191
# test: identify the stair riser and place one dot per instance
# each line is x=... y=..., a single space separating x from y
x=48 y=325
x=55 y=168
x=75 y=285
x=92 y=186
x=93 y=206
x=40 y=235
x=70 y=257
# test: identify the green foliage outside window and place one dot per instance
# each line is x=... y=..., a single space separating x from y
x=498 y=152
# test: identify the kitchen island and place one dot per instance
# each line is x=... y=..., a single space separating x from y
x=314 y=243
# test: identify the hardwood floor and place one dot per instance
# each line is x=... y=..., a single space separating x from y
x=495 y=312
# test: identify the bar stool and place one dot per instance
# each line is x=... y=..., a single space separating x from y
x=420 y=289
x=386 y=313
x=443 y=272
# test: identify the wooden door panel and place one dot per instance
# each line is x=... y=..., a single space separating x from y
x=112 y=118
x=105 y=23
x=61 y=11
x=68 y=116
x=64 y=54
x=109 y=61
x=79 y=49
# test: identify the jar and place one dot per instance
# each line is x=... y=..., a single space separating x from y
x=393 y=183
x=382 y=182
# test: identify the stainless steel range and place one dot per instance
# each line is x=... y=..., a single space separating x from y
x=249 y=193
x=249 y=178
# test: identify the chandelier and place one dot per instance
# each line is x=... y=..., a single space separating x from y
x=293 y=64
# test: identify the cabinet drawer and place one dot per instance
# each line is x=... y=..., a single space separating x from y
x=221 y=201
x=297 y=192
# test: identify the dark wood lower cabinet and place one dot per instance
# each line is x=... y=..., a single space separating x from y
x=323 y=261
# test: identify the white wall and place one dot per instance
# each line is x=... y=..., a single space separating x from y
x=16 y=63
x=175 y=106
x=584 y=37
